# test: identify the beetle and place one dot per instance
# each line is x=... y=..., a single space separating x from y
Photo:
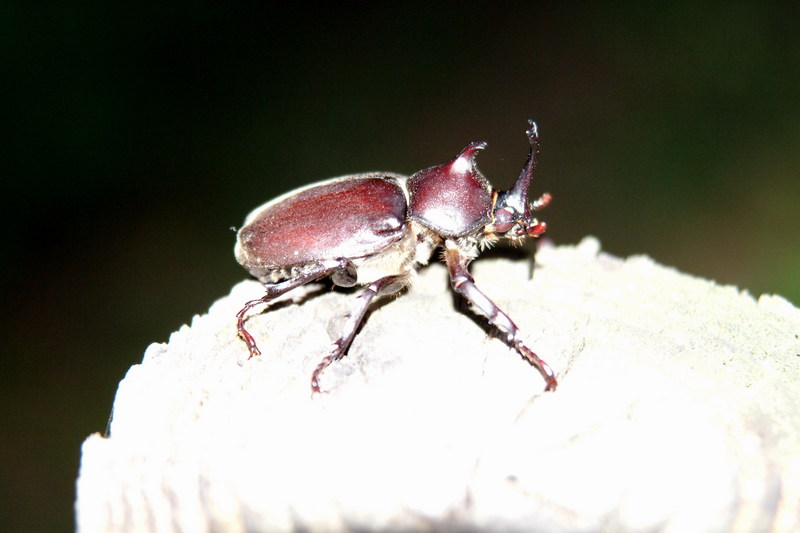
x=377 y=228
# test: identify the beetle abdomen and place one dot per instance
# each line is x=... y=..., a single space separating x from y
x=345 y=217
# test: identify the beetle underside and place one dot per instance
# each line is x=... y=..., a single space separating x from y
x=376 y=229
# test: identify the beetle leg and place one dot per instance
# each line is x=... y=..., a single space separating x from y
x=381 y=287
x=463 y=283
x=307 y=275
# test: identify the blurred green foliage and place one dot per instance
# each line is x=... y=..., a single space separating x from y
x=136 y=135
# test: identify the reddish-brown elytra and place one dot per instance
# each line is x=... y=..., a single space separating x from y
x=377 y=228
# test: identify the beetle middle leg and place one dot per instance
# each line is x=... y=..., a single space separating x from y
x=381 y=287
x=342 y=270
x=464 y=284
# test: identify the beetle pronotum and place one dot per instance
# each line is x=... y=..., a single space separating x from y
x=377 y=228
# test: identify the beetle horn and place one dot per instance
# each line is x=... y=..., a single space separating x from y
x=466 y=159
x=517 y=196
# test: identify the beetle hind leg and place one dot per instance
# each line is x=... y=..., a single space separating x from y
x=382 y=287
x=464 y=284
x=343 y=268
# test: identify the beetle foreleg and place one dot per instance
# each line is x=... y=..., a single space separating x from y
x=307 y=275
x=381 y=287
x=463 y=283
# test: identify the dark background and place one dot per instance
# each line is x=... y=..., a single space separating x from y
x=136 y=135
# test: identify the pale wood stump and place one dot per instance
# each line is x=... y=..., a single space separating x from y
x=678 y=410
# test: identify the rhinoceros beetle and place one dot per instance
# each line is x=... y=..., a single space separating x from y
x=377 y=228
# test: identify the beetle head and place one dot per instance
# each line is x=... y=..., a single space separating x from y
x=512 y=211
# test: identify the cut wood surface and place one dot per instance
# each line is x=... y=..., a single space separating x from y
x=678 y=410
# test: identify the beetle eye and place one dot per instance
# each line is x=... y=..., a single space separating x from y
x=503 y=220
